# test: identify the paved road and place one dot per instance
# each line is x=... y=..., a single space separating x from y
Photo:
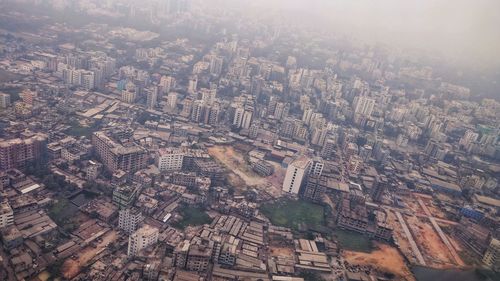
x=413 y=245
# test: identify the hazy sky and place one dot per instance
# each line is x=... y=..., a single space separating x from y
x=465 y=29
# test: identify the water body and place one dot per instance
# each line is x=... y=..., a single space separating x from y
x=429 y=274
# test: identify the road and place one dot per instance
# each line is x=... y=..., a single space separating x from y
x=413 y=245
x=440 y=232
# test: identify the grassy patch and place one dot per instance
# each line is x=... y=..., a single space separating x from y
x=294 y=214
x=353 y=241
x=192 y=217
x=78 y=130
x=7 y=76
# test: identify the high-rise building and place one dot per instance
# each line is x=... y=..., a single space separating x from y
x=129 y=219
x=92 y=170
x=213 y=119
x=328 y=148
x=316 y=167
x=142 y=238
x=128 y=96
x=363 y=105
x=247 y=118
x=17 y=153
x=238 y=116
x=152 y=98
x=87 y=80
x=172 y=101
x=193 y=85
x=468 y=138
x=124 y=195
x=169 y=159
x=208 y=96
x=167 y=84
x=116 y=156
x=197 y=111
x=295 y=175
x=4 y=100
x=492 y=255
x=318 y=136
x=187 y=106
x=216 y=64
x=6 y=214
x=379 y=187
x=315 y=187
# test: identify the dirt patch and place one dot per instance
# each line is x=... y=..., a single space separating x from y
x=237 y=163
x=435 y=252
x=279 y=251
x=385 y=258
x=241 y=174
x=71 y=267
x=400 y=238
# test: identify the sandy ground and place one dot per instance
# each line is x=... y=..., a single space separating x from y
x=242 y=174
x=433 y=249
x=385 y=258
x=72 y=267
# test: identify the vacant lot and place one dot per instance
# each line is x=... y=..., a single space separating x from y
x=433 y=249
x=71 y=267
x=294 y=214
x=385 y=258
x=236 y=163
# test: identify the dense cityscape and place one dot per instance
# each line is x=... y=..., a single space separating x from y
x=188 y=140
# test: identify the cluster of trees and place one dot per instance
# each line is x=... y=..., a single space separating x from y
x=58 y=212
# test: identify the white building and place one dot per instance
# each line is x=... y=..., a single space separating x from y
x=6 y=214
x=4 y=100
x=129 y=219
x=128 y=96
x=172 y=100
x=364 y=105
x=295 y=175
x=142 y=238
x=92 y=170
x=169 y=159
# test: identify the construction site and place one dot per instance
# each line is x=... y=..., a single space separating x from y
x=241 y=174
x=419 y=234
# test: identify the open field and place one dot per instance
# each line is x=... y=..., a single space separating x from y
x=353 y=241
x=385 y=258
x=71 y=268
x=294 y=214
